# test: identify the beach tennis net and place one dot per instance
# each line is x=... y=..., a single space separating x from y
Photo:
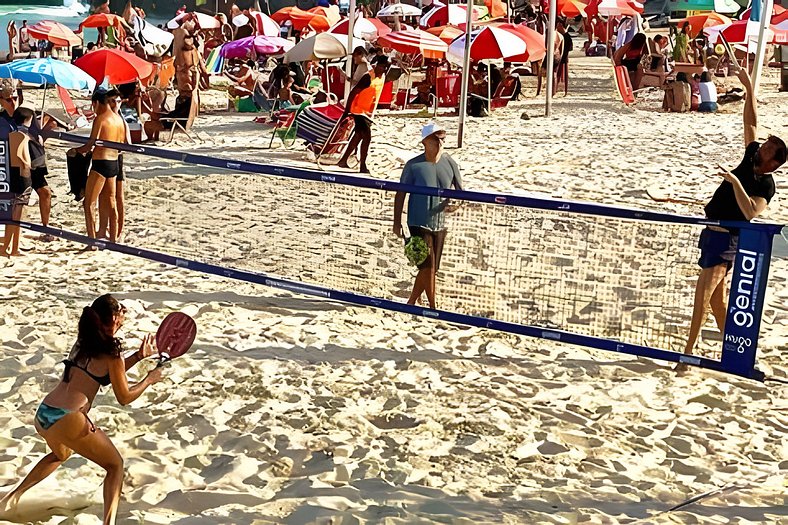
x=622 y=279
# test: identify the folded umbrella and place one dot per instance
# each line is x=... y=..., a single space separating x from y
x=117 y=66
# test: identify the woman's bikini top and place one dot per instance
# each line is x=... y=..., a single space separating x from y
x=101 y=380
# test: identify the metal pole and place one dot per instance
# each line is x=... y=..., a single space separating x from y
x=760 y=51
x=466 y=66
x=351 y=18
x=548 y=106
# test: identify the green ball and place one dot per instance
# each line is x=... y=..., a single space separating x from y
x=416 y=250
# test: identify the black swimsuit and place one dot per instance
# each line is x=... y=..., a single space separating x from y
x=106 y=168
x=101 y=380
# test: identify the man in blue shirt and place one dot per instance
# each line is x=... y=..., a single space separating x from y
x=426 y=213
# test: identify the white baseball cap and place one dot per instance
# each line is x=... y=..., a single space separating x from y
x=430 y=129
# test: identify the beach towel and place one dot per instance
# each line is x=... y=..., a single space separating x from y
x=215 y=62
x=78 y=166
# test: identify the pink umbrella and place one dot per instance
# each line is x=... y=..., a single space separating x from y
x=256 y=45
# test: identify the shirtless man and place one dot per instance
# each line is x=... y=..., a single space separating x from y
x=245 y=81
x=104 y=197
x=104 y=170
x=742 y=196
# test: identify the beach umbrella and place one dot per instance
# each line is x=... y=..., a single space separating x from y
x=203 y=20
x=415 y=41
x=534 y=42
x=302 y=19
x=283 y=15
x=700 y=22
x=54 y=32
x=781 y=32
x=119 y=67
x=779 y=13
x=320 y=47
x=736 y=33
x=619 y=8
x=489 y=42
x=399 y=10
x=362 y=28
x=446 y=33
x=105 y=20
x=383 y=28
x=571 y=8
x=265 y=24
x=47 y=71
x=453 y=14
x=255 y=45
x=331 y=13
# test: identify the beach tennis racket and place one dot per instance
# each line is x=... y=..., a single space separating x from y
x=175 y=336
x=729 y=51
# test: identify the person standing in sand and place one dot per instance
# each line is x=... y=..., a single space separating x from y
x=104 y=170
x=435 y=169
x=96 y=360
x=742 y=196
x=104 y=208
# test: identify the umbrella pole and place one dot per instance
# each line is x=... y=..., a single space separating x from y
x=466 y=65
x=489 y=87
x=760 y=50
x=548 y=106
x=351 y=19
x=43 y=105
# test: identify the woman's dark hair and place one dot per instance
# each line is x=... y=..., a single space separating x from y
x=684 y=26
x=23 y=114
x=102 y=95
x=638 y=41
x=705 y=77
x=127 y=90
x=94 y=336
x=682 y=77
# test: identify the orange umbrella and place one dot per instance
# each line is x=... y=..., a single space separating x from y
x=446 y=33
x=571 y=8
x=283 y=15
x=119 y=67
x=104 y=20
x=54 y=32
x=700 y=22
x=331 y=13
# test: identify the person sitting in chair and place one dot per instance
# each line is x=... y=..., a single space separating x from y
x=629 y=55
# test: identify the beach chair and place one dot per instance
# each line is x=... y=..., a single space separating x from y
x=184 y=124
x=286 y=124
x=503 y=93
x=79 y=118
x=624 y=85
x=386 y=96
x=447 y=93
x=656 y=72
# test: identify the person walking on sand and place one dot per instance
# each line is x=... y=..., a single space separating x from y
x=743 y=195
x=361 y=103
x=108 y=125
x=19 y=174
x=426 y=213
x=96 y=360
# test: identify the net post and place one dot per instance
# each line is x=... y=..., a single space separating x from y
x=6 y=197
x=745 y=300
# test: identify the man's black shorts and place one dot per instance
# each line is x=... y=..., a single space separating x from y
x=717 y=248
x=435 y=240
x=362 y=123
x=39 y=177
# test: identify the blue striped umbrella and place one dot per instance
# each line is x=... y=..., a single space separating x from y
x=47 y=71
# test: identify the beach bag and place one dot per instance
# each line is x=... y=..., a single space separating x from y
x=78 y=166
x=247 y=105
x=416 y=250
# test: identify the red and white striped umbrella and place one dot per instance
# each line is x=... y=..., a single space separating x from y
x=534 y=42
x=412 y=41
x=737 y=32
x=453 y=14
x=362 y=28
x=489 y=42
x=54 y=32
x=265 y=24
x=619 y=8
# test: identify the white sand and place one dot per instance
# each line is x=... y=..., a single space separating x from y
x=292 y=409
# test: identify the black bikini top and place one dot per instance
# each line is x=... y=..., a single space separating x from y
x=101 y=380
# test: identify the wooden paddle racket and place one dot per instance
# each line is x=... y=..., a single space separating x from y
x=659 y=195
x=175 y=336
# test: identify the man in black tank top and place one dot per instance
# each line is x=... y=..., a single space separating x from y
x=742 y=196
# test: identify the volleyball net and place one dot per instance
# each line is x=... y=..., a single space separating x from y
x=604 y=277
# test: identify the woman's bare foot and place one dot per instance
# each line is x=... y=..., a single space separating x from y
x=341 y=164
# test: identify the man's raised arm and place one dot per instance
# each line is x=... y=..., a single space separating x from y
x=750 y=108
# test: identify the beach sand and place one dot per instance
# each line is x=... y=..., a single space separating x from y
x=295 y=409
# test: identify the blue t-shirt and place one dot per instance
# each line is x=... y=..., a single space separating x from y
x=426 y=211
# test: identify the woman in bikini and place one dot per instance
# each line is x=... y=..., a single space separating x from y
x=104 y=170
x=96 y=360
